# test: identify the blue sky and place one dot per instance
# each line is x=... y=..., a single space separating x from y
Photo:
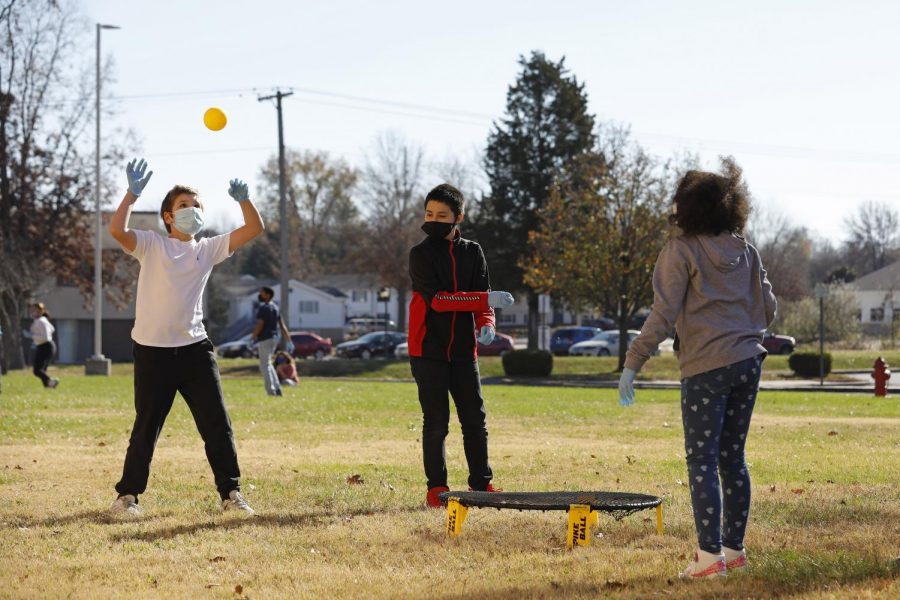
x=804 y=94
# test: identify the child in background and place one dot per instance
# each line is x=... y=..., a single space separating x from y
x=285 y=368
x=42 y=337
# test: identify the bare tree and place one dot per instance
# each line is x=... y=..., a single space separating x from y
x=392 y=193
x=320 y=209
x=874 y=236
x=785 y=249
x=46 y=170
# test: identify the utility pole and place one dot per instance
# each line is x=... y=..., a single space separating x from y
x=282 y=207
x=98 y=364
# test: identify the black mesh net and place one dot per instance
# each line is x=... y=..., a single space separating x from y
x=617 y=504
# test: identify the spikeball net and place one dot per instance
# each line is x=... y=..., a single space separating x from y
x=583 y=508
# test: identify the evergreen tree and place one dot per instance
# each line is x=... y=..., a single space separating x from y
x=546 y=126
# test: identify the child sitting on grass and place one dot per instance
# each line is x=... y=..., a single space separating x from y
x=285 y=368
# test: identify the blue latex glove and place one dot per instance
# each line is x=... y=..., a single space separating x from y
x=238 y=190
x=626 y=387
x=500 y=299
x=289 y=346
x=136 y=179
x=487 y=335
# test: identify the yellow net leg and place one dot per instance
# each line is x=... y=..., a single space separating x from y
x=581 y=519
x=456 y=515
x=659 y=519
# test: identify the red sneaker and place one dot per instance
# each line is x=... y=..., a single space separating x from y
x=490 y=488
x=431 y=498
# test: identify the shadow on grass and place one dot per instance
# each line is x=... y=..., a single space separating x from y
x=99 y=517
x=236 y=521
x=221 y=523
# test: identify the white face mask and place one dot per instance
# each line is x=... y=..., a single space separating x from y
x=188 y=220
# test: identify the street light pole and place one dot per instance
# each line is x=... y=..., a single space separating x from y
x=98 y=364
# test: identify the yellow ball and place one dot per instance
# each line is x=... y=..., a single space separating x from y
x=214 y=119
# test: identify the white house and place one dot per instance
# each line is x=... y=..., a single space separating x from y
x=361 y=293
x=309 y=308
x=74 y=319
x=878 y=296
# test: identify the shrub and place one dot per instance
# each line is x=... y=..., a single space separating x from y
x=806 y=364
x=528 y=363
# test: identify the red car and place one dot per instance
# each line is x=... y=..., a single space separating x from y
x=778 y=344
x=501 y=345
x=308 y=344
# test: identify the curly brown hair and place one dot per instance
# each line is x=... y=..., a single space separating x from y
x=712 y=203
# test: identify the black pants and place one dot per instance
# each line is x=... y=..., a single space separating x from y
x=461 y=380
x=43 y=354
x=158 y=374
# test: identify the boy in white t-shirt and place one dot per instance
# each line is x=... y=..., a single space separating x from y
x=171 y=350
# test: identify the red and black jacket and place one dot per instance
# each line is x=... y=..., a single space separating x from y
x=449 y=305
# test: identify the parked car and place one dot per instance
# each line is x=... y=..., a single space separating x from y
x=778 y=344
x=372 y=344
x=402 y=350
x=667 y=346
x=563 y=338
x=240 y=348
x=358 y=326
x=501 y=345
x=604 y=323
x=605 y=343
x=308 y=344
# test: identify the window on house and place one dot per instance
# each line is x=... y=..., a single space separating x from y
x=360 y=295
x=308 y=306
x=876 y=315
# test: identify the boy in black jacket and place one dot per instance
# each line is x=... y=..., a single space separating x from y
x=451 y=309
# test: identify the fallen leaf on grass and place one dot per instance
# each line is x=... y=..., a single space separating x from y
x=355 y=480
x=679 y=482
x=614 y=584
x=771 y=488
x=239 y=589
x=212 y=585
x=18 y=468
x=101 y=444
x=215 y=559
x=387 y=485
x=629 y=459
x=832 y=433
x=844 y=502
x=798 y=490
x=681 y=557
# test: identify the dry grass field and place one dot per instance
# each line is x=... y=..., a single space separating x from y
x=826 y=502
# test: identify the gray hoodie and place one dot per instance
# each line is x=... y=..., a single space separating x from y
x=713 y=290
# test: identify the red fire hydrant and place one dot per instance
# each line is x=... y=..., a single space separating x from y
x=881 y=374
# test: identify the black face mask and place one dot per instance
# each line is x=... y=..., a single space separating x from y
x=437 y=230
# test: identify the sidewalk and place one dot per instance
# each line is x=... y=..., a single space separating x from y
x=862 y=384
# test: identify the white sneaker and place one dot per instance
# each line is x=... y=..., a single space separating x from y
x=125 y=506
x=705 y=564
x=735 y=560
x=236 y=501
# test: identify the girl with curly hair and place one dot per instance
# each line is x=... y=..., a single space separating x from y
x=710 y=286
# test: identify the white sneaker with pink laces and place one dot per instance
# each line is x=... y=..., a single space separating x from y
x=705 y=564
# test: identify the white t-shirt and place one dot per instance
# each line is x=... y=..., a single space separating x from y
x=169 y=311
x=41 y=331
